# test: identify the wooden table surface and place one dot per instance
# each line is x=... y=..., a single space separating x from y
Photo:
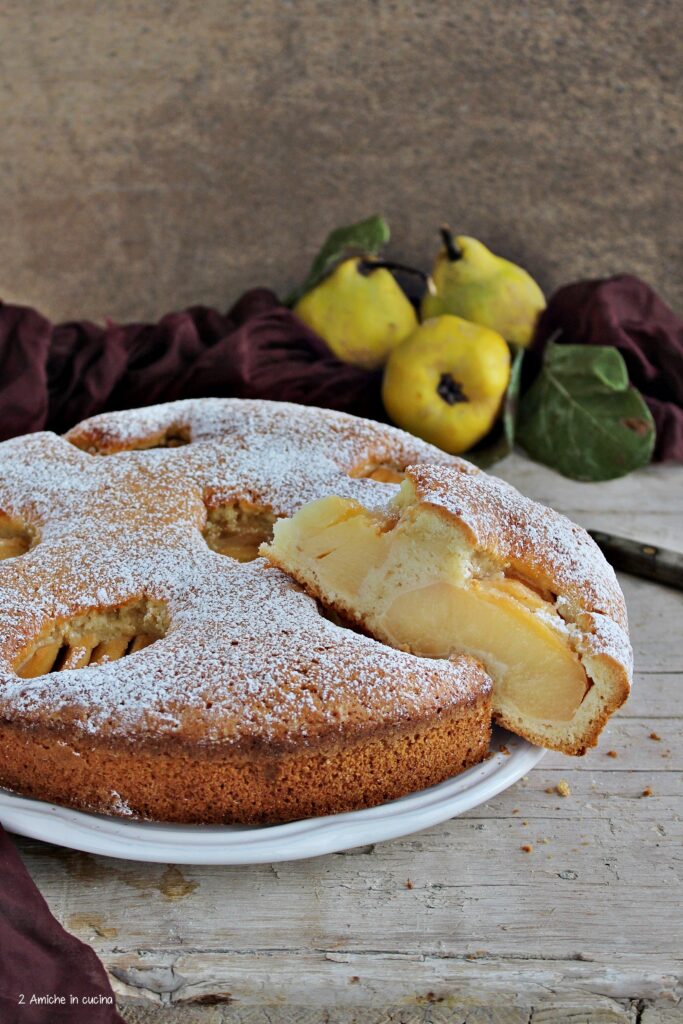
x=456 y=923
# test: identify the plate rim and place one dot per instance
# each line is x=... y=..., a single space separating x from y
x=171 y=843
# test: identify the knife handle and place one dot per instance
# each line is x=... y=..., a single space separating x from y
x=647 y=560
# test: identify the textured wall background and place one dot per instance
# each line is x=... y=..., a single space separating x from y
x=158 y=154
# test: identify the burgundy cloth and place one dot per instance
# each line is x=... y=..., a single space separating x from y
x=38 y=958
x=625 y=312
x=53 y=376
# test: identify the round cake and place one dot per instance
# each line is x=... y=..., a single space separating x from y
x=152 y=665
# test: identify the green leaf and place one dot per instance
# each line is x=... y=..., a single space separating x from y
x=501 y=440
x=365 y=238
x=582 y=417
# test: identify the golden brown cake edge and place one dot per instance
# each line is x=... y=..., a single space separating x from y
x=165 y=783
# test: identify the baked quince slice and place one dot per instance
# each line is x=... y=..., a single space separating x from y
x=462 y=563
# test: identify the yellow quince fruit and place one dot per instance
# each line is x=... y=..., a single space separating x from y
x=360 y=311
x=471 y=281
x=446 y=382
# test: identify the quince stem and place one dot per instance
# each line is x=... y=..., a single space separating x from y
x=452 y=250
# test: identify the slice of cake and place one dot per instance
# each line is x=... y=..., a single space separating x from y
x=463 y=563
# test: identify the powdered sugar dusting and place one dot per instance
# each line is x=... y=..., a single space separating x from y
x=248 y=657
x=119 y=805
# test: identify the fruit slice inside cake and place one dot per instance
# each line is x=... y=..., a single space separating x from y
x=433 y=573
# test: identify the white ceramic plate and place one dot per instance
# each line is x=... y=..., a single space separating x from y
x=239 y=844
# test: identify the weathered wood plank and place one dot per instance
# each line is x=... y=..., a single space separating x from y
x=655 y=695
x=655 y=617
x=355 y=980
x=656 y=492
x=631 y=1012
x=429 y=1013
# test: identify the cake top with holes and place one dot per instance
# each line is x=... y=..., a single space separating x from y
x=133 y=603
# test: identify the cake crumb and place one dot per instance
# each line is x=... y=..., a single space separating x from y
x=504 y=750
x=612 y=753
x=562 y=788
x=515 y=810
x=655 y=736
x=527 y=848
x=409 y=883
x=647 y=791
x=549 y=789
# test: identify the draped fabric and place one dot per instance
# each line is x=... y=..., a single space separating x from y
x=52 y=376
x=38 y=959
